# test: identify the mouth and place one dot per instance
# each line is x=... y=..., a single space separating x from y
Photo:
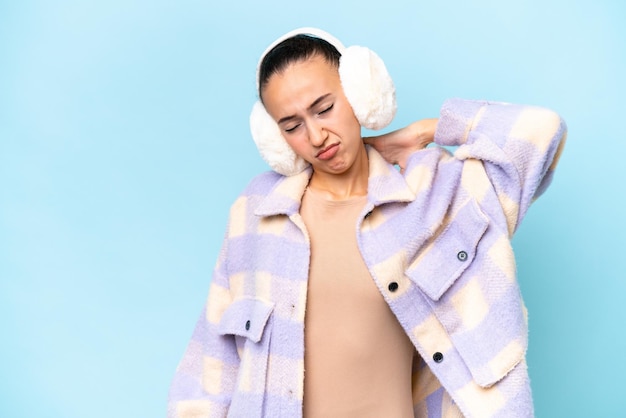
x=328 y=152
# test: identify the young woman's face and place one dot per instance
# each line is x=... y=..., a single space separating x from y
x=314 y=116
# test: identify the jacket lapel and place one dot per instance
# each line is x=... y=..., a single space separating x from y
x=385 y=184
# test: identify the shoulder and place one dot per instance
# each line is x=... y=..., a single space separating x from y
x=430 y=164
x=270 y=193
x=262 y=184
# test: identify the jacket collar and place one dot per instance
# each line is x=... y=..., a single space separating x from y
x=385 y=184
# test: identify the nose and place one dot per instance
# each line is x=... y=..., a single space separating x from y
x=317 y=133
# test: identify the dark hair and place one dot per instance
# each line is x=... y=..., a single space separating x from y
x=297 y=48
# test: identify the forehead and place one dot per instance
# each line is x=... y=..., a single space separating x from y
x=302 y=80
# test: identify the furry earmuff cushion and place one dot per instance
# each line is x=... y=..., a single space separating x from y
x=366 y=84
x=368 y=87
x=271 y=143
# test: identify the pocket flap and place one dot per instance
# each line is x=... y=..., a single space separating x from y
x=246 y=317
x=452 y=251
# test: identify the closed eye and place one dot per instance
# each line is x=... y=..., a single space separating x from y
x=292 y=128
x=327 y=109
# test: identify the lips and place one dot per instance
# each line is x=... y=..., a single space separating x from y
x=328 y=152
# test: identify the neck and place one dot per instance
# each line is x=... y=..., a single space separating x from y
x=351 y=183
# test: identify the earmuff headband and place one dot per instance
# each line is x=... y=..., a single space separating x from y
x=318 y=33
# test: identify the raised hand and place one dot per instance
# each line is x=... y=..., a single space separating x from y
x=397 y=146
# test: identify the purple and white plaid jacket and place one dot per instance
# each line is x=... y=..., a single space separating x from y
x=436 y=240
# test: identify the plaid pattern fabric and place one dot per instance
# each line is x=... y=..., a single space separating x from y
x=436 y=240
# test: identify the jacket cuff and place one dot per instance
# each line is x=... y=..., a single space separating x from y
x=456 y=119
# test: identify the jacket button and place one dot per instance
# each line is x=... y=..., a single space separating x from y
x=248 y=325
x=393 y=286
x=462 y=256
x=438 y=357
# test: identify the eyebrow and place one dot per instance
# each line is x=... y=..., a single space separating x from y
x=311 y=106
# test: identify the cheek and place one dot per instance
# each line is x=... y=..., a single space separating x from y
x=351 y=125
x=297 y=144
x=349 y=120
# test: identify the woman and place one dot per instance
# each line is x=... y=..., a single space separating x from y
x=349 y=288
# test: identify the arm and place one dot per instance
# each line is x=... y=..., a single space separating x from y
x=519 y=147
x=205 y=378
x=397 y=146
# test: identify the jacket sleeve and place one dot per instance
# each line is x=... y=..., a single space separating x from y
x=205 y=378
x=519 y=147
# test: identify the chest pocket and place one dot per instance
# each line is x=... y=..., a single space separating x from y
x=249 y=318
x=443 y=261
x=489 y=336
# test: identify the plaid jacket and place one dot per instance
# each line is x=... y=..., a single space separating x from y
x=436 y=240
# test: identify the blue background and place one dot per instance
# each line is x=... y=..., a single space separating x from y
x=124 y=139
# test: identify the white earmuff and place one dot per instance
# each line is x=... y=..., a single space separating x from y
x=366 y=84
